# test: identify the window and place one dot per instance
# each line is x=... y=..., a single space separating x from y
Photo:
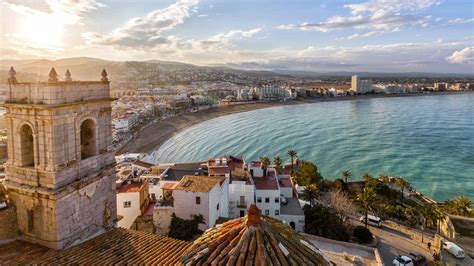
x=127 y=204
x=267 y=200
x=277 y=199
x=259 y=199
x=267 y=212
x=27 y=157
x=217 y=206
x=31 y=221
x=153 y=196
x=277 y=212
x=88 y=143
x=198 y=200
x=242 y=199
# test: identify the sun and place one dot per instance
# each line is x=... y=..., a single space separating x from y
x=43 y=31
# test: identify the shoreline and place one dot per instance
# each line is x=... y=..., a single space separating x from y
x=153 y=136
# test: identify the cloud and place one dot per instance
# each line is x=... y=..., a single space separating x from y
x=460 y=21
x=464 y=56
x=146 y=31
x=381 y=16
x=67 y=12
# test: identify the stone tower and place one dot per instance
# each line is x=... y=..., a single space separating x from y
x=59 y=172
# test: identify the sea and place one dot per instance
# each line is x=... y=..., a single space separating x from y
x=428 y=140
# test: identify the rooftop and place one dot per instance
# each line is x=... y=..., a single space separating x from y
x=143 y=164
x=253 y=239
x=292 y=207
x=129 y=186
x=285 y=181
x=266 y=183
x=118 y=246
x=177 y=171
x=199 y=183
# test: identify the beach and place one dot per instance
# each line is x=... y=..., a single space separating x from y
x=155 y=135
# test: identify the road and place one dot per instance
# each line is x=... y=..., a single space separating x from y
x=392 y=243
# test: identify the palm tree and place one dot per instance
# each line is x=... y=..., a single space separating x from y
x=277 y=161
x=403 y=183
x=366 y=198
x=292 y=153
x=459 y=206
x=310 y=194
x=265 y=161
x=346 y=174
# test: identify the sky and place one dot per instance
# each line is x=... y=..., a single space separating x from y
x=337 y=35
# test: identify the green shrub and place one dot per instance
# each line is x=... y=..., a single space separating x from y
x=362 y=234
x=185 y=229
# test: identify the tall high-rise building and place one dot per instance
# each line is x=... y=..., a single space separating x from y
x=360 y=86
x=59 y=172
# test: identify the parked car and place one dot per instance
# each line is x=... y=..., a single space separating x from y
x=454 y=249
x=403 y=261
x=416 y=257
x=372 y=220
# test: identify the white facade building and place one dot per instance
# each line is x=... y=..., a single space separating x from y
x=132 y=199
x=208 y=196
x=361 y=86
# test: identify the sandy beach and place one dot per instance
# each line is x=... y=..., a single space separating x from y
x=156 y=134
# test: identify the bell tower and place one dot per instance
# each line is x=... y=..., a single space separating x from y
x=60 y=173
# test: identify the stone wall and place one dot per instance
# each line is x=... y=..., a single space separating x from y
x=67 y=217
x=57 y=92
x=162 y=219
x=8 y=224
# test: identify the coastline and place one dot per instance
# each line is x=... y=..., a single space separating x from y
x=153 y=136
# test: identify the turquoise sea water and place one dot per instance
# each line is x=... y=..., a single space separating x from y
x=429 y=140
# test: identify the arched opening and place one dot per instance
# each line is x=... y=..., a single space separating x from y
x=27 y=154
x=292 y=224
x=88 y=139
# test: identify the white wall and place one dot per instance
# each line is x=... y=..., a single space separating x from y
x=297 y=219
x=185 y=204
x=237 y=189
x=271 y=206
x=286 y=191
x=131 y=213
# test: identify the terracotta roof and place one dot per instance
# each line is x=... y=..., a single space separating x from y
x=125 y=187
x=169 y=186
x=218 y=170
x=252 y=240
x=266 y=183
x=199 y=183
x=118 y=246
x=285 y=181
x=143 y=164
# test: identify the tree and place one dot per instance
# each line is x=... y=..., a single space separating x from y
x=277 y=161
x=403 y=183
x=292 y=153
x=308 y=174
x=366 y=197
x=461 y=205
x=185 y=229
x=310 y=194
x=322 y=221
x=347 y=175
x=341 y=203
x=265 y=160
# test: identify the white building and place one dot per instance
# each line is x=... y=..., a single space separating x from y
x=273 y=92
x=140 y=167
x=121 y=124
x=208 y=196
x=361 y=86
x=132 y=200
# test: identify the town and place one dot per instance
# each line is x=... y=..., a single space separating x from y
x=65 y=190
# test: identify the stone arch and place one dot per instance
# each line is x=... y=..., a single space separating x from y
x=26 y=145
x=88 y=138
